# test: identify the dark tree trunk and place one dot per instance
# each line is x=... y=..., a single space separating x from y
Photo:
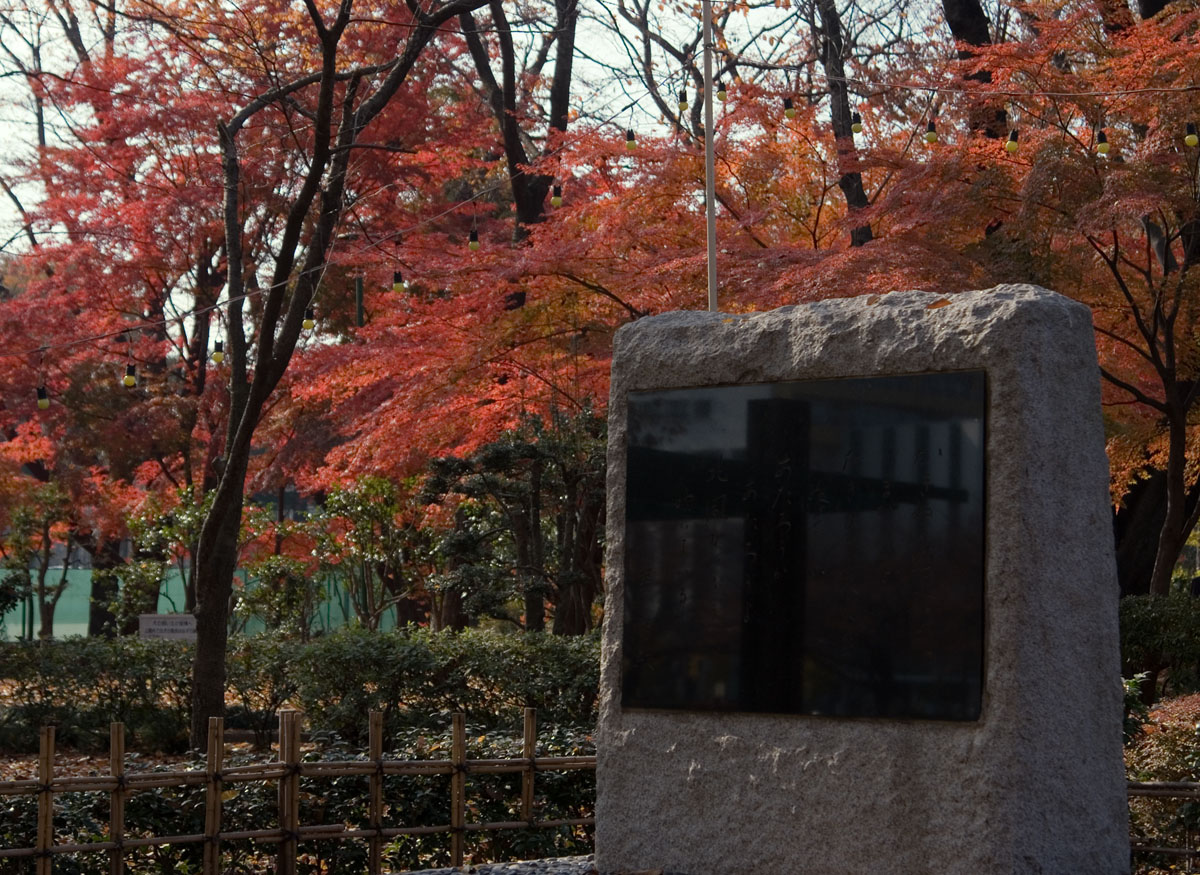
x=46 y=609
x=529 y=188
x=1150 y=8
x=1174 y=530
x=1115 y=15
x=970 y=26
x=580 y=576
x=832 y=60
x=411 y=611
x=535 y=602
x=106 y=559
x=215 y=565
x=573 y=611
x=1136 y=527
x=450 y=612
x=967 y=22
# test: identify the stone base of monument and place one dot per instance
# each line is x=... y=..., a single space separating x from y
x=857 y=626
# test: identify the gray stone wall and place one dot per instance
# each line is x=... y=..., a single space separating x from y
x=1037 y=784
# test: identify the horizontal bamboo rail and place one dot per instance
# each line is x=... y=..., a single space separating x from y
x=287 y=772
x=1164 y=790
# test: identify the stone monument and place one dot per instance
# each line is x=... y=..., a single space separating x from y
x=861 y=598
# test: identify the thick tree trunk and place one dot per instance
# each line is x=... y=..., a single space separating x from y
x=258 y=363
x=216 y=561
x=535 y=602
x=448 y=612
x=106 y=559
x=970 y=26
x=529 y=188
x=1174 y=531
x=1150 y=8
x=1136 y=526
x=46 y=619
x=850 y=181
x=1115 y=15
x=573 y=610
x=579 y=575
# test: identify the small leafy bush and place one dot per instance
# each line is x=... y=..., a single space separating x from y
x=81 y=685
x=1161 y=632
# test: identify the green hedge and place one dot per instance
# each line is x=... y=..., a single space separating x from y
x=415 y=677
x=1162 y=632
x=418 y=679
x=82 y=684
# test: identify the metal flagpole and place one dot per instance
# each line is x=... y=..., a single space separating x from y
x=710 y=206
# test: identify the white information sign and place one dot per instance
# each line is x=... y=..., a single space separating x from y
x=181 y=627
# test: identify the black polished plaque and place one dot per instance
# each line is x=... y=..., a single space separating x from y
x=807 y=547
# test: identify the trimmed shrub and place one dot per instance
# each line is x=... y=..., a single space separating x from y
x=415 y=677
x=1162 y=632
x=419 y=678
x=81 y=685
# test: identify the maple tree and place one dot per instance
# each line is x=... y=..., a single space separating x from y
x=1098 y=199
x=121 y=250
x=358 y=140
x=253 y=70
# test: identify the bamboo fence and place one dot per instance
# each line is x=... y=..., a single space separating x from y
x=1186 y=790
x=287 y=772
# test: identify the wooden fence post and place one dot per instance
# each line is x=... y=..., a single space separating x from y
x=529 y=751
x=289 y=790
x=45 y=821
x=116 y=799
x=458 y=789
x=375 y=754
x=213 y=764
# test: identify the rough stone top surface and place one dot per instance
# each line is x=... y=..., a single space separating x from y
x=901 y=331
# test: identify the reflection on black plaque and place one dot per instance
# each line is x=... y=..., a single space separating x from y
x=807 y=548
